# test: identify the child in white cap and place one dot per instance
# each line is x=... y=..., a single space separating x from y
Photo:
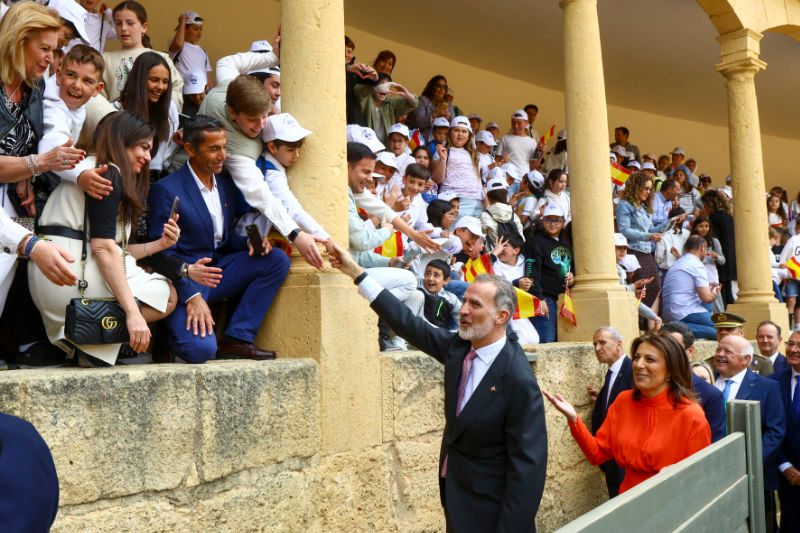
x=517 y=147
x=484 y=143
x=190 y=58
x=499 y=217
x=397 y=142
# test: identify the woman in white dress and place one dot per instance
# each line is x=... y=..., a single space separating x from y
x=123 y=142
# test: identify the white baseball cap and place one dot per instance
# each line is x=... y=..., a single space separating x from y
x=193 y=18
x=195 y=82
x=648 y=166
x=634 y=164
x=474 y=116
x=472 y=224
x=446 y=195
x=440 y=122
x=451 y=245
x=402 y=129
x=461 y=122
x=678 y=151
x=496 y=183
x=553 y=210
x=485 y=137
x=620 y=240
x=612 y=155
x=73 y=12
x=261 y=46
x=360 y=134
x=512 y=171
x=519 y=114
x=284 y=127
x=619 y=149
x=492 y=125
x=388 y=159
x=535 y=177
x=562 y=135
x=629 y=263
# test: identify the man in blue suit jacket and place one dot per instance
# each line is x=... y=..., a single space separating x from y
x=709 y=397
x=609 y=350
x=209 y=203
x=735 y=380
x=789 y=452
x=768 y=337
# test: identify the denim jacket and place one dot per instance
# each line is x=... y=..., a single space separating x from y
x=34 y=112
x=636 y=225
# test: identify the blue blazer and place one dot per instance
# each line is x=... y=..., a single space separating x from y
x=780 y=364
x=713 y=405
x=773 y=421
x=789 y=452
x=197 y=229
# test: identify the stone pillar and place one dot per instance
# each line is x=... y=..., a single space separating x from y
x=599 y=298
x=319 y=314
x=740 y=64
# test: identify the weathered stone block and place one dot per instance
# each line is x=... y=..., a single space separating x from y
x=416 y=392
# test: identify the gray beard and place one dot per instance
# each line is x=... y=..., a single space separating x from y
x=475 y=331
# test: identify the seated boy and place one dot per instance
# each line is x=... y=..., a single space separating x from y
x=431 y=301
x=499 y=217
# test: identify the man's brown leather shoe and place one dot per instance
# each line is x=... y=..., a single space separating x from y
x=236 y=349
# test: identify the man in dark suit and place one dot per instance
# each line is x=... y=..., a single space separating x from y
x=494 y=449
x=28 y=479
x=789 y=452
x=768 y=337
x=609 y=350
x=710 y=397
x=209 y=203
x=735 y=380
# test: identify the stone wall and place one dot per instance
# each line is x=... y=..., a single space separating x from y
x=235 y=446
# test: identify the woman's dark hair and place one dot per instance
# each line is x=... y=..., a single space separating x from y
x=114 y=135
x=348 y=42
x=436 y=211
x=675 y=212
x=781 y=211
x=134 y=96
x=552 y=177
x=714 y=201
x=428 y=90
x=385 y=55
x=141 y=14
x=679 y=375
x=710 y=235
x=561 y=146
x=420 y=148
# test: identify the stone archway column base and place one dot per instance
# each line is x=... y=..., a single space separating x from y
x=597 y=308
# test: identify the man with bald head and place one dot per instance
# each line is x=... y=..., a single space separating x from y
x=736 y=381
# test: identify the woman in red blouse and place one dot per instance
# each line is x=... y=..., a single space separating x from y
x=654 y=425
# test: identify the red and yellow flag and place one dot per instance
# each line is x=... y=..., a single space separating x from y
x=475 y=267
x=548 y=135
x=416 y=139
x=279 y=241
x=567 y=308
x=620 y=174
x=793 y=265
x=392 y=247
x=528 y=305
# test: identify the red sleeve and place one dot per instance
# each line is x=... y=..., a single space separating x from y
x=699 y=436
x=597 y=449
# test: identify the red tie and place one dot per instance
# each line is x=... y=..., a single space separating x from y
x=466 y=366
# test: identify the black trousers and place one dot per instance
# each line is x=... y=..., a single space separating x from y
x=789 y=496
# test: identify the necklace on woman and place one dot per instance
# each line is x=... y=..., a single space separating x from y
x=10 y=96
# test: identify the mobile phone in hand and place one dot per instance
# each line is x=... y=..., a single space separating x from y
x=255 y=239
x=175 y=203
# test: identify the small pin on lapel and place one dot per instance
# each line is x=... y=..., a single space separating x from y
x=492 y=389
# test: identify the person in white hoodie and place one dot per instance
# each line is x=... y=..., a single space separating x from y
x=499 y=218
x=555 y=193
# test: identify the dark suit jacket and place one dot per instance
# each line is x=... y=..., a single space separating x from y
x=497 y=448
x=780 y=364
x=197 y=229
x=773 y=421
x=623 y=382
x=713 y=405
x=790 y=449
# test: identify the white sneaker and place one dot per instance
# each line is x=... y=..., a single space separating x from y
x=395 y=344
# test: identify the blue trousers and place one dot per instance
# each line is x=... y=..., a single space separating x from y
x=546 y=326
x=701 y=325
x=255 y=280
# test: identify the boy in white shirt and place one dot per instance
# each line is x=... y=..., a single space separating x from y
x=518 y=148
x=99 y=24
x=484 y=143
x=398 y=145
x=415 y=179
x=190 y=59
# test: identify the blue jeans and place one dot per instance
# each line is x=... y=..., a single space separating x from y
x=457 y=287
x=546 y=326
x=701 y=325
x=472 y=207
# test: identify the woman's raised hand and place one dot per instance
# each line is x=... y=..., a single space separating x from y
x=563 y=406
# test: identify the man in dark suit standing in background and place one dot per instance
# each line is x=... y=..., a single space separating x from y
x=609 y=350
x=789 y=453
x=768 y=337
x=494 y=450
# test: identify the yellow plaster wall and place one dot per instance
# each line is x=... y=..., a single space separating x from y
x=491 y=95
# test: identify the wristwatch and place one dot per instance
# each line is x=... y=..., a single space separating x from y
x=184 y=271
x=293 y=235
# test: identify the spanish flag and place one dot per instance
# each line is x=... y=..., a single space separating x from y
x=793 y=265
x=416 y=139
x=392 y=247
x=475 y=267
x=620 y=174
x=528 y=305
x=568 y=309
x=548 y=135
x=279 y=241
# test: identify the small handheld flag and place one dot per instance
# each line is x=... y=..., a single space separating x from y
x=279 y=241
x=544 y=139
x=416 y=139
x=528 y=305
x=475 y=267
x=793 y=265
x=567 y=308
x=391 y=247
x=620 y=174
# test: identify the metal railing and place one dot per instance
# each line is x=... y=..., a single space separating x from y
x=719 y=488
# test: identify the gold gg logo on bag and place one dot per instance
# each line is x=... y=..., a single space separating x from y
x=109 y=322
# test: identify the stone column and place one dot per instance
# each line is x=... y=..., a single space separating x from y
x=599 y=298
x=740 y=64
x=319 y=314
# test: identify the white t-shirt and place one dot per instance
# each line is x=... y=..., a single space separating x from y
x=791 y=249
x=190 y=59
x=99 y=27
x=484 y=160
x=519 y=150
x=527 y=207
x=680 y=288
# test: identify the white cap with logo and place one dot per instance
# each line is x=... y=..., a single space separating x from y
x=485 y=137
x=519 y=114
x=461 y=122
x=195 y=82
x=496 y=182
x=440 y=122
x=360 y=134
x=388 y=159
x=553 y=210
x=620 y=240
x=512 y=171
x=73 y=12
x=402 y=129
x=261 y=46
x=284 y=127
x=472 y=224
